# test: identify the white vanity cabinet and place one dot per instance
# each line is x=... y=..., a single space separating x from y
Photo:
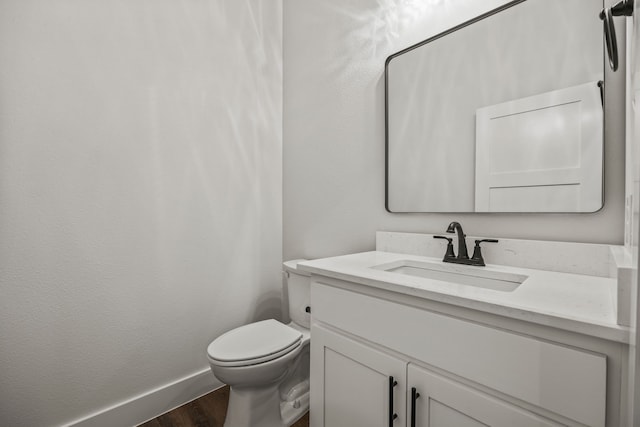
x=360 y=386
x=442 y=402
x=466 y=373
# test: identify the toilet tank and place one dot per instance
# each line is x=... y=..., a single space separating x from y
x=298 y=290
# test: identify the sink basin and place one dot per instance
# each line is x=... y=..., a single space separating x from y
x=455 y=273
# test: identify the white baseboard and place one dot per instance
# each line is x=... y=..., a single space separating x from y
x=152 y=403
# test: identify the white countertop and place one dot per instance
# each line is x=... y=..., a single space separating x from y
x=573 y=302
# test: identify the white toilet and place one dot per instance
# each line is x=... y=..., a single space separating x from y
x=267 y=363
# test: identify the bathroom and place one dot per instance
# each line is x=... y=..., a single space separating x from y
x=161 y=159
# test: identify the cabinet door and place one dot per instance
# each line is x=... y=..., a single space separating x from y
x=446 y=403
x=352 y=383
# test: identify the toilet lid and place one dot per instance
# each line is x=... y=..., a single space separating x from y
x=254 y=341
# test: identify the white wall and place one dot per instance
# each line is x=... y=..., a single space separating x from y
x=140 y=193
x=632 y=226
x=334 y=53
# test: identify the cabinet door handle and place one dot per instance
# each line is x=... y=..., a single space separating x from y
x=392 y=414
x=414 y=396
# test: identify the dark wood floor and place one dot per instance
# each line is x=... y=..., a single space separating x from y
x=207 y=411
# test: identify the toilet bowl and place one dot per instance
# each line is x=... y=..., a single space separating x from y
x=266 y=363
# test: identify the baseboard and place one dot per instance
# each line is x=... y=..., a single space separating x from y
x=150 y=404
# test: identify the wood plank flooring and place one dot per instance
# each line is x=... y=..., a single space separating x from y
x=207 y=411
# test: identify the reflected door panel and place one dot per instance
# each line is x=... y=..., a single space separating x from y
x=541 y=153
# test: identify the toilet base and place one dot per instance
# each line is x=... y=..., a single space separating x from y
x=263 y=408
x=254 y=407
x=293 y=411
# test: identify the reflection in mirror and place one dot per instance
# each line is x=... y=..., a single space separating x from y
x=501 y=114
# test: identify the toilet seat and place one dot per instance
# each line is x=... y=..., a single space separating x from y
x=254 y=343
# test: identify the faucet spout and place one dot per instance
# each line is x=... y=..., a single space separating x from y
x=455 y=227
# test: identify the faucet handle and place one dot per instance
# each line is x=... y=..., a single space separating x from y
x=449 y=254
x=486 y=240
x=477 y=252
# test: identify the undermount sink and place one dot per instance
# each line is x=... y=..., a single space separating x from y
x=454 y=273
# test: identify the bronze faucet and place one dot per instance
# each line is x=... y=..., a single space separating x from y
x=463 y=254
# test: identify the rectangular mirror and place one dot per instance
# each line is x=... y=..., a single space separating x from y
x=503 y=113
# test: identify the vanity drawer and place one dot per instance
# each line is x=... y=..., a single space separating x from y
x=561 y=379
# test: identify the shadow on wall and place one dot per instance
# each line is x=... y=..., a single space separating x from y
x=268 y=306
